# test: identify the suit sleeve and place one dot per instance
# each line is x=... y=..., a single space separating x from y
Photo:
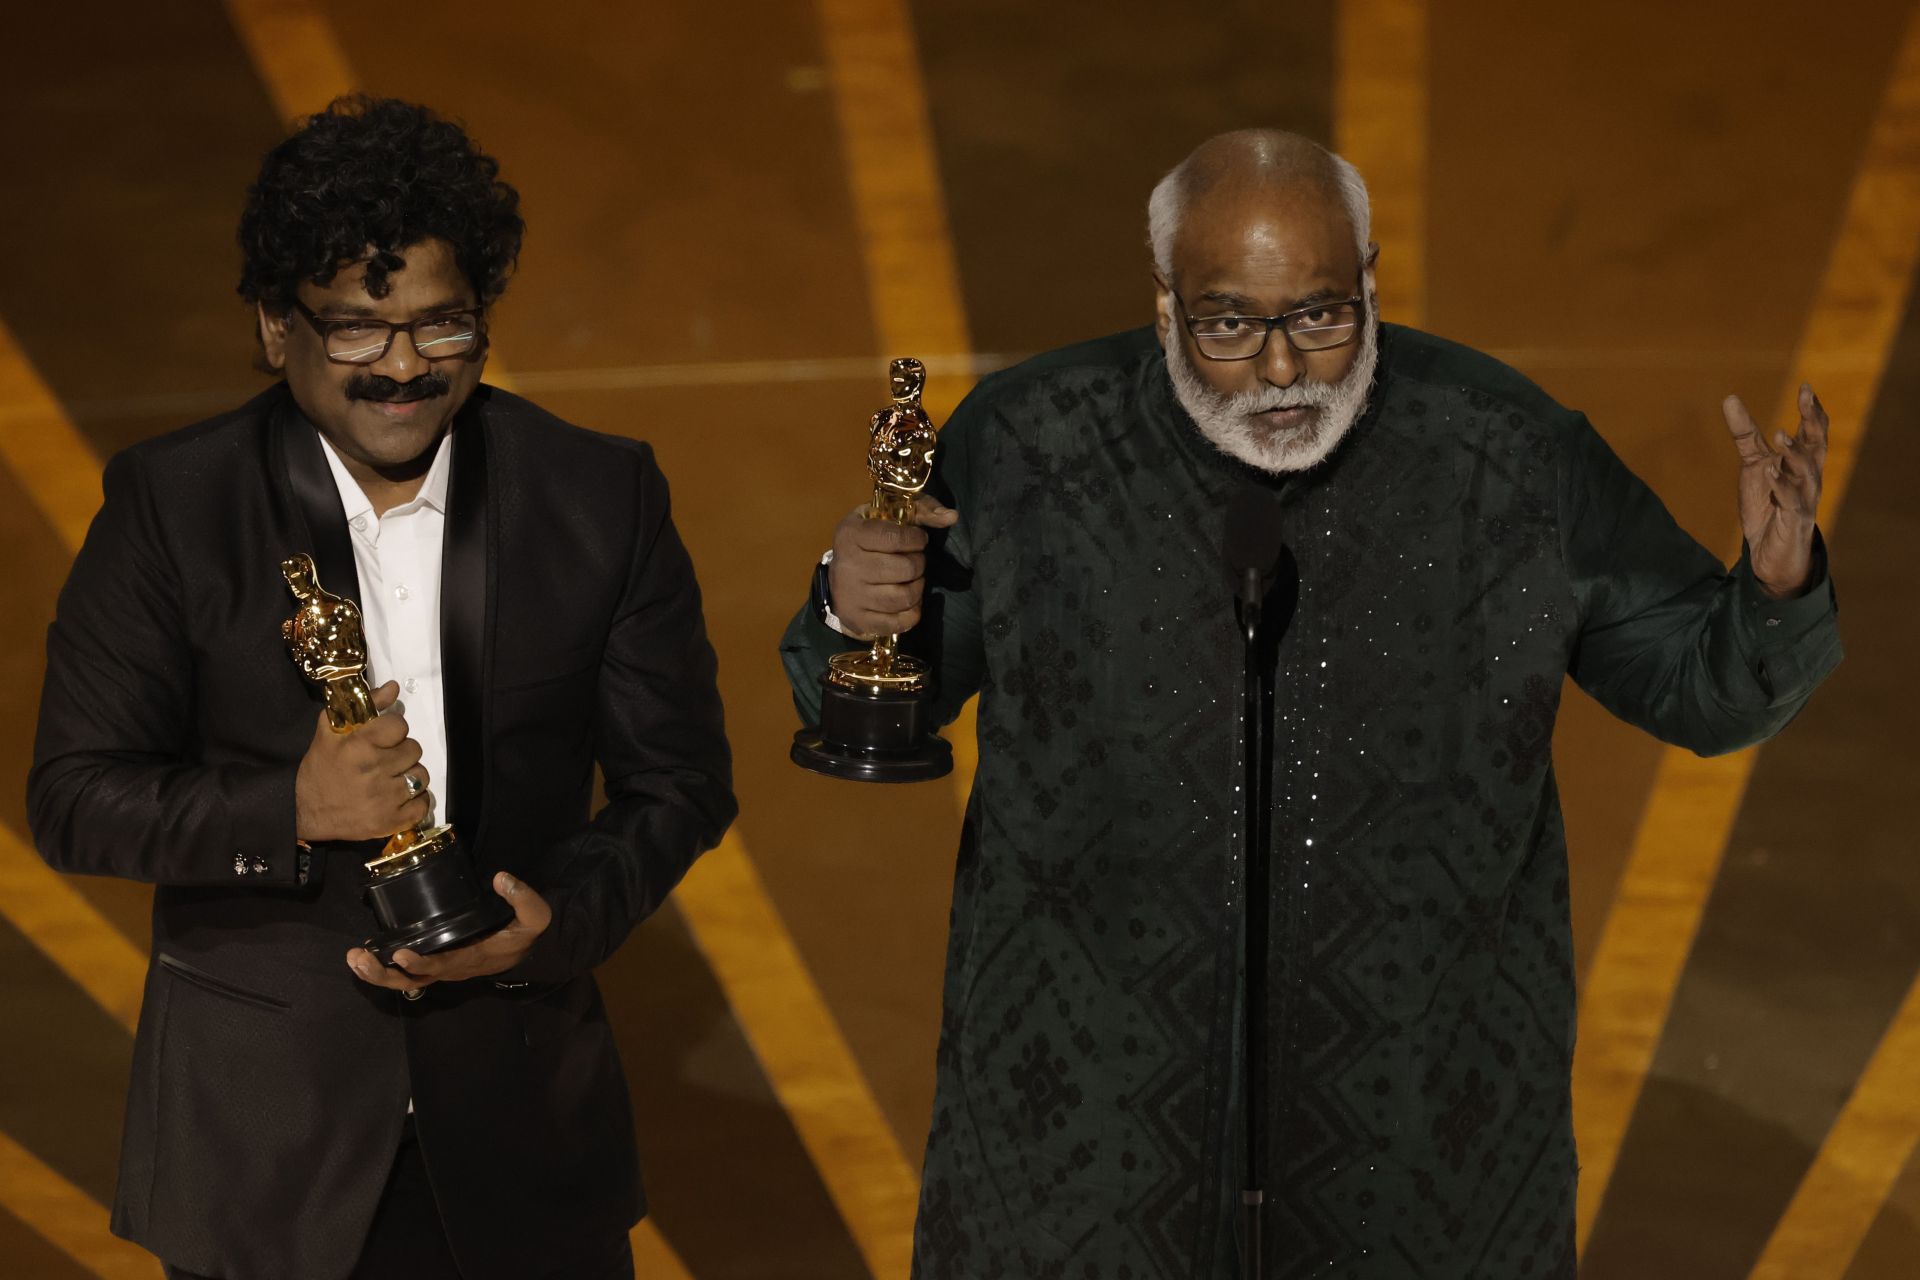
x=660 y=742
x=1669 y=640
x=948 y=635
x=116 y=787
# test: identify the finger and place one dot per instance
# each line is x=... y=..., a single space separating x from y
x=1803 y=459
x=1799 y=484
x=414 y=810
x=530 y=910
x=405 y=756
x=389 y=730
x=1793 y=463
x=889 y=538
x=928 y=512
x=408 y=792
x=874 y=625
x=386 y=695
x=369 y=970
x=848 y=531
x=1814 y=426
x=1746 y=435
x=1794 y=507
x=908 y=566
x=425 y=969
x=892 y=597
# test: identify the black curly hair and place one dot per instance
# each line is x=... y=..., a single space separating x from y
x=382 y=174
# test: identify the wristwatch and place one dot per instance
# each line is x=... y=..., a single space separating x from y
x=822 y=595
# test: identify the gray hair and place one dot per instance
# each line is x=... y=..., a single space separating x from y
x=1168 y=204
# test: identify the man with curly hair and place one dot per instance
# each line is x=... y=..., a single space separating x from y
x=299 y=1111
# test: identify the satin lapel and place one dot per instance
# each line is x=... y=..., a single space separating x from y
x=466 y=618
x=319 y=521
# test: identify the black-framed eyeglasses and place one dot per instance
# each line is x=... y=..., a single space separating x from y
x=1320 y=327
x=448 y=335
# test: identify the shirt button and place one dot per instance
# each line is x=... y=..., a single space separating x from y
x=399 y=593
x=359 y=522
x=410 y=684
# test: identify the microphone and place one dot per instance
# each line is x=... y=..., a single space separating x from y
x=1265 y=576
x=1255 y=544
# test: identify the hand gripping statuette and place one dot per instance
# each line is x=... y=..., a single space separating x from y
x=876 y=710
x=422 y=887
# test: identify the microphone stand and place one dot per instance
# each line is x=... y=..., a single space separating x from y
x=1256 y=716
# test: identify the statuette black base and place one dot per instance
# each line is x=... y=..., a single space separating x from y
x=434 y=906
x=868 y=736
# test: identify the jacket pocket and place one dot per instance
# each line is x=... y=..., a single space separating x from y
x=219 y=986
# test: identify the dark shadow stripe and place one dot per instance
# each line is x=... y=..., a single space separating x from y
x=1053 y=122
x=136 y=134
x=63 y=1070
x=728 y=1182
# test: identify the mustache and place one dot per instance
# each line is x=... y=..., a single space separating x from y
x=1304 y=394
x=373 y=386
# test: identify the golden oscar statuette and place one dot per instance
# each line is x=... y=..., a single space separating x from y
x=422 y=888
x=876 y=712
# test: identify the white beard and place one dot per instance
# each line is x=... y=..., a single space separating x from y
x=1228 y=420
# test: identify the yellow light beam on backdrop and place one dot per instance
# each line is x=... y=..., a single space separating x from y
x=893 y=171
x=894 y=174
x=807 y=1059
x=1843 y=350
x=292 y=46
x=56 y=467
x=1856 y=1168
x=67 y=1217
x=39 y=444
x=70 y=931
x=1380 y=125
x=653 y=1257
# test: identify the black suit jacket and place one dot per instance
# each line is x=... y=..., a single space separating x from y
x=269 y=1085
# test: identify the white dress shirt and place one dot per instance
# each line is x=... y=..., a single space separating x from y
x=397 y=556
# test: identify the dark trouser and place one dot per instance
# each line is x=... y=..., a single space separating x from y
x=406 y=1241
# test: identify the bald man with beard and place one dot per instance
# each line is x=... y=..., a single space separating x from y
x=1463 y=543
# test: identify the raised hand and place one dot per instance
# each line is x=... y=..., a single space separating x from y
x=1780 y=493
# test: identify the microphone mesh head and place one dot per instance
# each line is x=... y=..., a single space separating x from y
x=1254 y=535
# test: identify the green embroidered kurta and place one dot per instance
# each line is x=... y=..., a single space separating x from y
x=1469 y=545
